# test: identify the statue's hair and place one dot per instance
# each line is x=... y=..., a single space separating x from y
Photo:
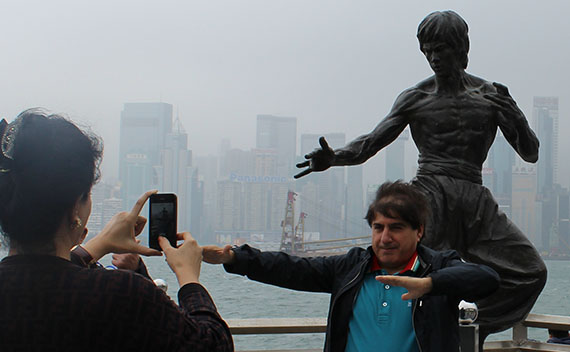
x=448 y=27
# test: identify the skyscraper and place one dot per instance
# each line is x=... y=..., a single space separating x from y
x=355 y=223
x=395 y=157
x=326 y=211
x=279 y=133
x=524 y=208
x=545 y=120
x=178 y=174
x=143 y=131
x=500 y=162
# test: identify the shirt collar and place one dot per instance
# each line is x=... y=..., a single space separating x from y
x=412 y=265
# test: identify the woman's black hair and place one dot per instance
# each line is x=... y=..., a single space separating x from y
x=52 y=165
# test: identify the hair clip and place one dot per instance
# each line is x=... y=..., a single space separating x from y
x=8 y=137
x=3 y=159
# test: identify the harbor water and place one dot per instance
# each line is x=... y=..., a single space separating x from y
x=240 y=298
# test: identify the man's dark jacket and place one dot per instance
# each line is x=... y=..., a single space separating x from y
x=435 y=316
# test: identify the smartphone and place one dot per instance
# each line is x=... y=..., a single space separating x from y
x=163 y=219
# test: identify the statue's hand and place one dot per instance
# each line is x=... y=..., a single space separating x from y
x=504 y=102
x=318 y=160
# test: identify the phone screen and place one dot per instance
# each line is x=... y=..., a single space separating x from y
x=162 y=219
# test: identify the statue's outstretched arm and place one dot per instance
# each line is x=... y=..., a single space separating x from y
x=513 y=124
x=363 y=147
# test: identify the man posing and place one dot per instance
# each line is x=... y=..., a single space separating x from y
x=453 y=118
x=396 y=295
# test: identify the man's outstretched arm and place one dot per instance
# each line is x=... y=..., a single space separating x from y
x=276 y=268
x=365 y=146
x=513 y=124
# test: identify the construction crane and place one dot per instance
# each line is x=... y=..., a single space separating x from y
x=299 y=243
x=293 y=237
x=288 y=233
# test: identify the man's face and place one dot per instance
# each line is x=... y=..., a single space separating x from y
x=442 y=58
x=394 y=242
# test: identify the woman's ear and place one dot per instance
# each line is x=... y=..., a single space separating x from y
x=82 y=238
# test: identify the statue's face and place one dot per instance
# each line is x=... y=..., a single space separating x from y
x=442 y=58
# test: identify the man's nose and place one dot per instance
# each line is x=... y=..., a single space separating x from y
x=385 y=236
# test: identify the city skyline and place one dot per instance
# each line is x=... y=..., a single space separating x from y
x=334 y=66
x=240 y=194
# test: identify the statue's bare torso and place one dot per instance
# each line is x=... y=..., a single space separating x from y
x=452 y=127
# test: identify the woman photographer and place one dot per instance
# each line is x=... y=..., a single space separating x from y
x=47 y=168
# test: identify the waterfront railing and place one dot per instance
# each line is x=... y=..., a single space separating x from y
x=519 y=342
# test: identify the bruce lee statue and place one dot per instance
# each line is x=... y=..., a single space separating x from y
x=453 y=118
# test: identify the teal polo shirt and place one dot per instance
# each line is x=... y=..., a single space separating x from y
x=381 y=321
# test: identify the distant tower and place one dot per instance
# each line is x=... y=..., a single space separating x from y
x=526 y=212
x=178 y=175
x=326 y=209
x=395 y=157
x=279 y=133
x=355 y=223
x=500 y=164
x=564 y=222
x=545 y=118
x=144 y=127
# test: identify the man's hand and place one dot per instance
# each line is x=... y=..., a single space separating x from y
x=185 y=260
x=318 y=160
x=416 y=286
x=127 y=261
x=218 y=255
x=119 y=235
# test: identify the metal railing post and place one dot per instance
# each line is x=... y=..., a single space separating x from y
x=520 y=334
x=469 y=338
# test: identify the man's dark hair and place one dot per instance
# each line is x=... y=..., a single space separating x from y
x=53 y=165
x=559 y=334
x=447 y=27
x=399 y=200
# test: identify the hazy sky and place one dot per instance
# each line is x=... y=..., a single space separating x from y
x=335 y=65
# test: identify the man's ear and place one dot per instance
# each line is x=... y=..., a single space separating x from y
x=420 y=232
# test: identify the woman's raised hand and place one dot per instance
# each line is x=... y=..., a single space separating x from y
x=119 y=235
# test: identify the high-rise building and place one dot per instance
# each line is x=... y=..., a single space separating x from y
x=236 y=162
x=545 y=120
x=251 y=195
x=564 y=222
x=194 y=203
x=355 y=211
x=99 y=194
x=395 y=157
x=178 y=175
x=138 y=176
x=279 y=133
x=144 y=127
x=524 y=208
x=208 y=177
x=498 y=174
x=229 y=216
x=327 y=211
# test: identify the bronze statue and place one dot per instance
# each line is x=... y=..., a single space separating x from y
x=453 y=118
